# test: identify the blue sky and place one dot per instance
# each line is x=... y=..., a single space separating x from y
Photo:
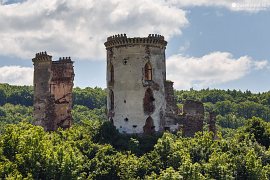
x=222 y=44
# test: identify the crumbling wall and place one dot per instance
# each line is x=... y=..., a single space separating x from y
x=43 y=101
x=148 y=102
x=171 y=118
x=212 y=124
x=61 y=89
x=193 y=112
x=149 y=127
x=136 y=96
x=53 y=83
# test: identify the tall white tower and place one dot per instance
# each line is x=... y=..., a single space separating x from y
x=136 y=75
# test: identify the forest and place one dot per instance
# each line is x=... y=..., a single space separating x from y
x=93 y=149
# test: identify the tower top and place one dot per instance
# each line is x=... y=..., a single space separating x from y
x=42 y=56
x=63 y=60
x=123 y=40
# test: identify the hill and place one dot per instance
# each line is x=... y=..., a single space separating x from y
x=93 y=148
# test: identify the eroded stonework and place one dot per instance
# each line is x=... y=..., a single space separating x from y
x=139 y=99
x=212 y=124
x=193 y=117
x=53 y=83
x=136 y=74
x=172 y=118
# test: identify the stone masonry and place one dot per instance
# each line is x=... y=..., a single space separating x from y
x=139 y=99
x=212 y=124
x=172 y=120
x=136 y=74
x=193 y=116
x=53 y=83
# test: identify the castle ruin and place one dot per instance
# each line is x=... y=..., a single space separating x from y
x=136 y=84
x=53 y=83
x=139 y=98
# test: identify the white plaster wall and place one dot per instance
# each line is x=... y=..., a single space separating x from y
x=128 y=85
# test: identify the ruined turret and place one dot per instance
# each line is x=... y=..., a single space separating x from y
x=53 y=83
x=136 y=74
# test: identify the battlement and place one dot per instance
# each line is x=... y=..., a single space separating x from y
x=123 y=40
x=63 y=60
x=53 y=83
x=42 y=56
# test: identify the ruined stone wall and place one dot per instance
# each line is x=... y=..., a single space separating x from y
x=138 y=104
x=61 y=89
x=212 y=124
x=170 y=99
x=193 y=113
x=53 y=83
x=172 y=118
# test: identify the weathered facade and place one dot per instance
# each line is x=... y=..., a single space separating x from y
x=136 y=74
x=136 y=84
x=193 y=117
x=212 y=124
x=53 y=83
x=172 y=118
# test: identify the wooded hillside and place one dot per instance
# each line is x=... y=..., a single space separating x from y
x=93 y=149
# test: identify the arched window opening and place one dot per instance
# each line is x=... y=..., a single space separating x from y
x=148 y=72
x=111 y=120
x=111 y=100
x=148 y=102
x=149 y=127
x=111 y=73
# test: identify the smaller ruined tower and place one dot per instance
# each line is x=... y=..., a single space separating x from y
x=53 y=83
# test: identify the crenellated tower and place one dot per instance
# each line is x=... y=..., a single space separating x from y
x=136 y=75
x=53 y=83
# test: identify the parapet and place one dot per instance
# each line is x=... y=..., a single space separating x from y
x=123 y=40
x=63 y=60
x=42 y=56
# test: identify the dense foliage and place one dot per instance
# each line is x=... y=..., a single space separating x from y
x=89 y=97
x=85 y=151
x=93 y=148
x=232 y=107
x=23 y=95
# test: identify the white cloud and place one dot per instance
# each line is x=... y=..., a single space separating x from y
x=79 y=28
x=261 y=64
x=16 y=75
x=234 y=5
x=214 y=68
x=184 y=47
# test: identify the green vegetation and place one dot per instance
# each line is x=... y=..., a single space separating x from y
x=85 y=151
x=232 y=107
x=93 y=148
x=23 y=95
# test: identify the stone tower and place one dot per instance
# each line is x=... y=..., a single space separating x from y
x=53 y=83
x=136 y=75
